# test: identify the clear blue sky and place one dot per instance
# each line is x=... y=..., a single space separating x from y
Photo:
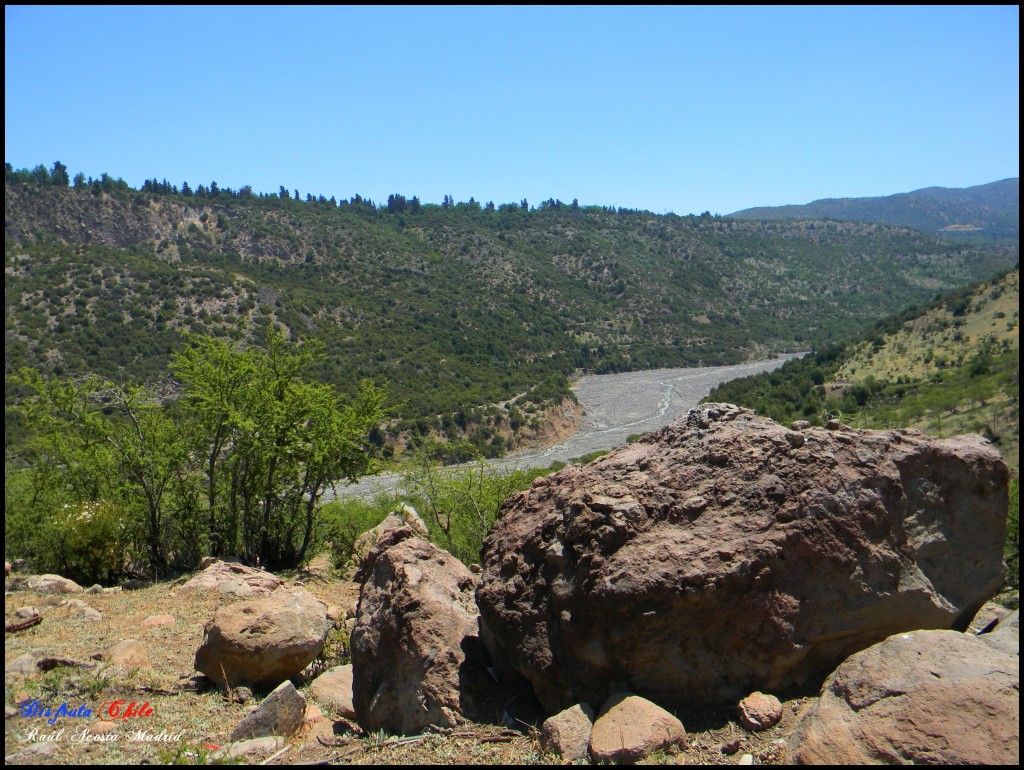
x=662 y=108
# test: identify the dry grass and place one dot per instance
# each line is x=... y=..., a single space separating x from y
x=926 y=345
x=205 y=719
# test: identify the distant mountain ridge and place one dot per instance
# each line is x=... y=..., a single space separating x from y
x=989 y=211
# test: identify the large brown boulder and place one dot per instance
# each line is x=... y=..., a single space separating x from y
x=261 y=643
x=415 y=629
x=925 y=697
x=726 y=553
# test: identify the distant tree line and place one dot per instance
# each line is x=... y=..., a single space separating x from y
x=57 y=176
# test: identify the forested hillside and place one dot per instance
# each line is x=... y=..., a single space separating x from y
x=988 y=212
x=458 y=306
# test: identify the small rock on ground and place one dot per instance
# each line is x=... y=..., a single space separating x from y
x=281 y=713
x=759 y=712
x=630 y=728
x=567 y=733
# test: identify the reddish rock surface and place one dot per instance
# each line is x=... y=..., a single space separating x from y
x=417 y=622
x=232 y=579
x=726 y=553
x=405 y=516
x=758 y=712
x=925 y=697
x=630 y=728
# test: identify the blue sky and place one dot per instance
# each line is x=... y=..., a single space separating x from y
x=680 y=109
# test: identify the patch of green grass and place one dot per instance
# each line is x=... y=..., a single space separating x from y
x=337 y=651
x=589 y=457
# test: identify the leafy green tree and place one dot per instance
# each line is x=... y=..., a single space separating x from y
x=240 y=461
x=41 y=175
x=218 y=379
x=273 y=443
x=152 y=450
x=59 y=176
x=95 y=445
x=65 y=446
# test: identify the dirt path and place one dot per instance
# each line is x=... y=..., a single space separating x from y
x=616 y=406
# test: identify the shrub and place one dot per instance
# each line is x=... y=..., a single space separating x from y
x=91 y=540
x=345 y=520
x=460 y=504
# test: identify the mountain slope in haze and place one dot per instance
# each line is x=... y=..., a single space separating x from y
x=458 y=306
x=989 y=211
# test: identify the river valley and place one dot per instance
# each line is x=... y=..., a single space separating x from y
x=615 y=406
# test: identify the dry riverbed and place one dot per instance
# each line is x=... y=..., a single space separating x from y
x=615 y=406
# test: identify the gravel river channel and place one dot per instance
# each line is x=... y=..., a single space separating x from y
x=615 y=406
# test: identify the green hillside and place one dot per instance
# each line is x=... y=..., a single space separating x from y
x=989 y=212
x=459 y=306
x=946 y=369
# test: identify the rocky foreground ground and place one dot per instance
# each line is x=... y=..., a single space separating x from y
x=726 y=590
